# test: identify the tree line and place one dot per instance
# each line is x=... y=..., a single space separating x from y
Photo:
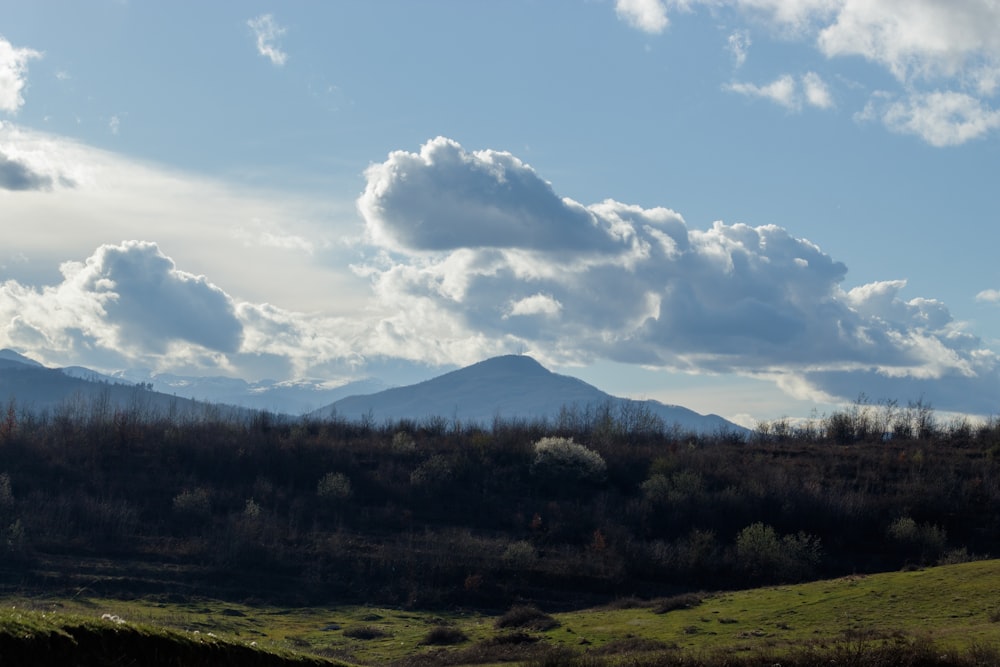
x=594 y=505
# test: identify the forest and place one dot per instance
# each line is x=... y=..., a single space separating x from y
x=593 y=506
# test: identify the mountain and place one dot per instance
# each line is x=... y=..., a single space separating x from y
x=9 y=358
x=292 y=397
x=508 y=387
x=48 y=387
x=83 y=392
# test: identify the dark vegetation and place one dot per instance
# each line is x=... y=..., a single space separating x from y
x=124 y=502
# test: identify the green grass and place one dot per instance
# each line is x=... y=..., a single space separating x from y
x=36 y=638
x=956 y=607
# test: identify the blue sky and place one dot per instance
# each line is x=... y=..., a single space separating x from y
x=748 y=207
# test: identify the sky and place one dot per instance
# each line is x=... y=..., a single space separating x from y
x=755 y=208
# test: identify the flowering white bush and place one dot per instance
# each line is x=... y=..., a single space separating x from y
x=563 y=459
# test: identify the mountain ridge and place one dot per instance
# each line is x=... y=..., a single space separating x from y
x=507 y=387
x=511 y=387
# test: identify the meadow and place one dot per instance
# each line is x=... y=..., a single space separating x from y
x=948 y=613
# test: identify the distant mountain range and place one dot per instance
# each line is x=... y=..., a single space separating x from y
x=83 y=392
x=509 y=387
x=506 y=387
x=293 y=397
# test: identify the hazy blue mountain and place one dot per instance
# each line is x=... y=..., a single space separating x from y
x=293 y=397
x=8 y=357
x=508 y=387
x=85 y=393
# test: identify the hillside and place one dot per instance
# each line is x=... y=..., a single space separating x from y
x=79 y=392
x=440 y=513
x=512 y=387
x=946 y=615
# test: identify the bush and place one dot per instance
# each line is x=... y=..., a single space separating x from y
x=434 y=473
x=561 y=459
x=444 y=635
x=365 y=632
x=335 y=486
x=766 y=556
x=676 y=602
x=194 y=504
x=527 y=617
x=520 y=555
x=923 y=541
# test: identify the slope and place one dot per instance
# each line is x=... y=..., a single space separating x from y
x=508 y=387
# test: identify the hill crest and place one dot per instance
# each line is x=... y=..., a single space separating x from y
x=507 y=387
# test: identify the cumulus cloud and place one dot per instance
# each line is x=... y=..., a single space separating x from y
x=126 y=300
x=493 y=199
x=267 y=33
x=13 y=70
x=16 y=175
x=467 y=259
x=646 y=15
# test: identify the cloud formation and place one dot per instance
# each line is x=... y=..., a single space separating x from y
x=267 y=33
x=13 y=70
x=944 y=56
x=478 y=245
x=124 y=301
x=646 y=15
x=16 y=175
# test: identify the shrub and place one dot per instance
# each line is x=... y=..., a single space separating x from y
x=925 y=541
x=681 y=488
x=527 y=617
x=194 y=504
x=335 y=486
x=444 y=635
x=676 y=602
x=520 y=554
x=764 y=555
x=402 y=443
x=433 y=473
x=561 y=459
x=365 y=632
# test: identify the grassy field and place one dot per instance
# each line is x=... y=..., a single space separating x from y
x=955 y=607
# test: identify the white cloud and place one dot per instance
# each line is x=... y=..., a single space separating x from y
x=816 y=91
x=739 y=42
x=13 y=69
x=536 y=304
x=945 y=56
x=127 y=300
x=730 y=299
x=646 y=15
x=267 y=33
x=493 y=199
x=781 y=91
x=917 y=39
x=941 y=118
x=989 y=296
x=786 y=92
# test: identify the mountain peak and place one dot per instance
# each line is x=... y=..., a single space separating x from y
x=10 y=355
x=510 y=386
x=519 y=364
